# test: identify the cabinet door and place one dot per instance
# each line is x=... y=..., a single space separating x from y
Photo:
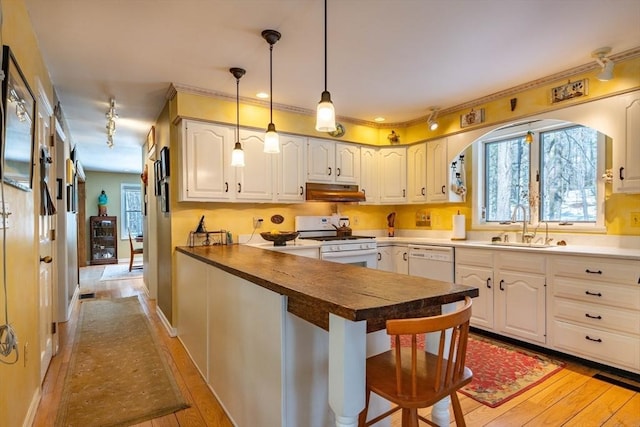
x=206 y=158
x=520 y=305
x=347 y=163
x=481 y=278
x=401 y=259
x=626 y=171
x=385 y=258
x=437 y=171
x=369 y=174
x=254 y=182
x=321 y=157
x=417 y=172
x=393 y=175
x=291 y=172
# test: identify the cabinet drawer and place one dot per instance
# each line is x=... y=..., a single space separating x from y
x=597 y=315
x=607 y=347
x=597 y=269
x=598 y=293
x=474 y=257
x=521 y=261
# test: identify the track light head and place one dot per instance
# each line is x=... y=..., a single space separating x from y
x=431 y=121
x=607 y=64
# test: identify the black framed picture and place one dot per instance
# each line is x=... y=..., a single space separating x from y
x=19 y=124
x=164 y=197
x=157 y=177
x=164 y=161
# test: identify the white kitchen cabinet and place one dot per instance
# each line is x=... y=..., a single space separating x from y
x=474 y=267
x=333 y=162
x=520 y=297
x=393 y=175
x=254 y=182
x=369 y=174
x=291 y=169
x=439 y=173
x=385 y=258
x=595 y=309
x=417 y=173
x=626 y=170
x=205 y=156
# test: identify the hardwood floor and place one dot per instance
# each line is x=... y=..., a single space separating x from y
x=571 y=397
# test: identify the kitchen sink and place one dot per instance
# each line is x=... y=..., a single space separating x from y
x=521 y=245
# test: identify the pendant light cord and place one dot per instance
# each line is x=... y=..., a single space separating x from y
x=238 y=109
x=325 y=45
x=270 y=82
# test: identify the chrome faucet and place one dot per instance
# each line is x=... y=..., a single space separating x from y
x=526 y=236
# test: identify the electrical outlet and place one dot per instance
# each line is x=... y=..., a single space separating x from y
x=257 y=222
x=635 y=219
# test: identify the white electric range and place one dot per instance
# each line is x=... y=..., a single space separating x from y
x=351 y=249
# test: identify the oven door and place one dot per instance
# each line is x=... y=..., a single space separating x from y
x=363 y=258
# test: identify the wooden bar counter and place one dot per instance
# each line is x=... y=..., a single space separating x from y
x=239 y=333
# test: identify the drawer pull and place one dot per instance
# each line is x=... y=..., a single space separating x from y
x=489 y=282
x=379 y=256
x=501 y=283
x=593 y=317
x=593 y=294
x=593 y=271
x=593 y=339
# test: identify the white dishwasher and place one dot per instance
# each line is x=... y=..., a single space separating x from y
x=431 y=262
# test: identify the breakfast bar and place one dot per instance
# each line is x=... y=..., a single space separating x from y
x=280 y=338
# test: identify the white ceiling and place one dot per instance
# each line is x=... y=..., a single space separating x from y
x=390 y=58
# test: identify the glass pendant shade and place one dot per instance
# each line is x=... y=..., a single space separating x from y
x=271 y=140
x=237 y=155
x=326 y=114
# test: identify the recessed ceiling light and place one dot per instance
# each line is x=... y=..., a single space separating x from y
x=262 y=95
x=379 y=119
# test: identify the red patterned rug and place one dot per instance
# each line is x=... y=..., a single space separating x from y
x=501 y=371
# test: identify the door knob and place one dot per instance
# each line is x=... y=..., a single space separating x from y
x=46 y=259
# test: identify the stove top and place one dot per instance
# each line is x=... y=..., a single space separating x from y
x=334 y=238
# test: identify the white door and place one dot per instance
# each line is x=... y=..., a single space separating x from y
x=46 y=225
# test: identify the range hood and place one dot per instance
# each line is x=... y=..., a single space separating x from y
x=334 y=193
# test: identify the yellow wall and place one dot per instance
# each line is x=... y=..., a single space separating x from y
x=19 y=383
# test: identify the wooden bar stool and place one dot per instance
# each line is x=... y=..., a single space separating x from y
x=412 y=378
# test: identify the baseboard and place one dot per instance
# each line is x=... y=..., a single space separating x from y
x=33 y=408
x=173 y=332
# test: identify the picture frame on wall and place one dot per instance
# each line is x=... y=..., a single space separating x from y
x=164 y=161
x=164 y=197
x=18 y=125
x=157 y=177
x=151 y=143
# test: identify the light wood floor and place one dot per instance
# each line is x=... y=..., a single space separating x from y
x=569 y=398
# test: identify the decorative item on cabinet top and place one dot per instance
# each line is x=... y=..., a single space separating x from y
x=202 y=237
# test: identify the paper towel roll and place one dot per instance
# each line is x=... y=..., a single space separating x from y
x=459 y=232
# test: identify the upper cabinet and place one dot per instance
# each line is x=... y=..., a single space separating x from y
x=439 y=173
x=205 y=155
x=255 y=181
x=333 y=162
x=291 y=173
x=417 y=173
x=369 y=174
x=393 y=175
x=626 y=172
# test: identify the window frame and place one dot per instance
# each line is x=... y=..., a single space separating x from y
x=124 y=224
x=519 y=130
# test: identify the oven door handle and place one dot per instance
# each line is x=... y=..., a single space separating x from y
x=344 y=254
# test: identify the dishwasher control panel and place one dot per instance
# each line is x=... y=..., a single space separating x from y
x=433 y=253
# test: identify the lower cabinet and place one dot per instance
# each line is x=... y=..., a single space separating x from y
x=512 y=297
x=394 y=259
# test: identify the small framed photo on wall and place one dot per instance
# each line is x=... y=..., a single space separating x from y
x=164 y=161
x=164 y=197
x=157 y=178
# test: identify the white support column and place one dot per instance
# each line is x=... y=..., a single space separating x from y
x=347 y=359
x=440 y=410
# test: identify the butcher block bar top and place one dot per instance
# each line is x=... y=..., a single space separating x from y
x=315 y=288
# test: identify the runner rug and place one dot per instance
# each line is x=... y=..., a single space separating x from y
x=120 y=272
x=501 y=371
x=117 y=375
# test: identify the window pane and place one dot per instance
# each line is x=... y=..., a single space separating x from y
x=507 y=177
x=569 y=158
x=131 y=210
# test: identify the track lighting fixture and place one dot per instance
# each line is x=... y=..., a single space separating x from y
x=326 y=113
x=431 y=121
x=271 y=138
x=111 y=116
x=237 y=155
x=606 y=63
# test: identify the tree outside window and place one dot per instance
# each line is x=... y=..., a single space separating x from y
x=131 y=206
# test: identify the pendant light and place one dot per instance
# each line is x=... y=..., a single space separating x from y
x=326 y=113
x=271 y=139
x=237 y=155
x=528 y=138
